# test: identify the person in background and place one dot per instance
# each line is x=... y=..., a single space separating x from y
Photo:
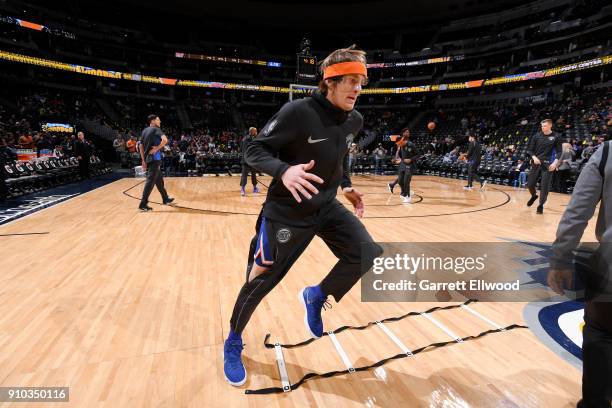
x=131 y=145
x=82 y=151
x=567 y=156
x=248 y=139
x=153 y=141
x=352 y=156
x=379 y=156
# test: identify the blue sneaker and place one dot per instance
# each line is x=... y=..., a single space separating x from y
x=234 y=370
x=313 y=301
x=256 y=190
x=242 y=191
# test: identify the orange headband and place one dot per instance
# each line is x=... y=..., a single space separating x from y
x=345 y=68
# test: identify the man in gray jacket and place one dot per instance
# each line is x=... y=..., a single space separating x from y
x=594 y=186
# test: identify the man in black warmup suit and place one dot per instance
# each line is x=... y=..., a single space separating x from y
x=153 y=141
x=396 y=160
x=473 y=156
x=545 y=148
x=245 y=167
x=82 y=150
x=304 y=148
x=408 y=154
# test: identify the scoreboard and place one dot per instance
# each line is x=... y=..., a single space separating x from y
x=306 y=67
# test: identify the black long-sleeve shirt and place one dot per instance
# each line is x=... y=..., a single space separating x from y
x=408 y=151
x=474 y=152
x=303 y=130
x=82 y=149
x=244 y=145
x=543 y=146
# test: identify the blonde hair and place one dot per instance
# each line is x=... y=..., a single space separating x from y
x=340 y=55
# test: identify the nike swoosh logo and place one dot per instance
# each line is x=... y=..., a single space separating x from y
x=311 y=140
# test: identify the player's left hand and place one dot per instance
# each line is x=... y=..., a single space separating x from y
x=552 y=167
x=356 y=198
x=558 y=279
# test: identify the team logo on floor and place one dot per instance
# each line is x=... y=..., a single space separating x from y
x=557 y=325
x=30 y=206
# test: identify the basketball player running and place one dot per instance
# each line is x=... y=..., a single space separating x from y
x=304 y=148
x=153 y=140
x=545 y=148
x=245 y=167
x=473 y=156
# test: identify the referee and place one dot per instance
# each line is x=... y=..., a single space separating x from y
x=304 y=148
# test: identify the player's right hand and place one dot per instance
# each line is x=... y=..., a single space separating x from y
x=296 y=179
x=536 y=161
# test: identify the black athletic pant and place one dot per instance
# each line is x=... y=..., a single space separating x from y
x=597 y=366
x=562 y=177
x=405 y=175
x=473 y=173
x=337 y=227
x=397 y=179
x=84 y=167
x=532 y=181
x=154 y=177
x=245 y=172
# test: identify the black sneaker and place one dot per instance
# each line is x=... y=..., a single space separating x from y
x=532 y=200
x=145 y=208
x=540 y=209
x=168 y=201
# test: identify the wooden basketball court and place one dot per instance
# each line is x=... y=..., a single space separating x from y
x=130 y=309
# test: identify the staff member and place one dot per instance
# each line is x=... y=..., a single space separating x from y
x=545 y=150
x=153 y=141
x=82 y=150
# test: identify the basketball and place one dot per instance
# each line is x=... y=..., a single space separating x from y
x=431 y=125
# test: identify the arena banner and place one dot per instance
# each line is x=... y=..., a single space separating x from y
x=46 y=153
x=36 y=27
x=427 y=61
x=232 y=60
x=80 y=69
x=26 y=154
x=57 y=127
